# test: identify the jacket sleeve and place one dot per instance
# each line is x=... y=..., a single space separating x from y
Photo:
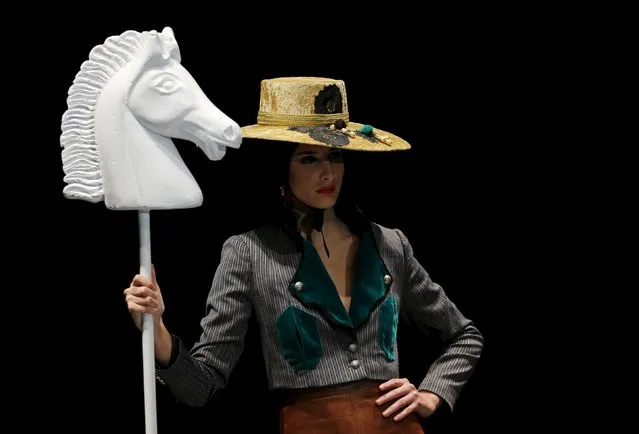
x=194 y=376
x=426 y=304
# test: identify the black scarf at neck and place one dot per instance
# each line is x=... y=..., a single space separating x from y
x=316 y=218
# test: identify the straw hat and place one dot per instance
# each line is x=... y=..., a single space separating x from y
x=314 y=110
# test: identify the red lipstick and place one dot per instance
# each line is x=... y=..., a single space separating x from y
x=326 y=190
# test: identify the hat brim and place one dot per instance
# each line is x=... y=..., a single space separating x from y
x=322 y=136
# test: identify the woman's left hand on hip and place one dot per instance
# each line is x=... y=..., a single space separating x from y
x=407 y=399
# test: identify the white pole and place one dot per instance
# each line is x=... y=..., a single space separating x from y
x=148 y=341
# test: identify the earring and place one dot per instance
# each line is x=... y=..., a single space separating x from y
x=286 y=201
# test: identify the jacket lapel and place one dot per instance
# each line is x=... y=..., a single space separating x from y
x=313 y=286
x=372 y=281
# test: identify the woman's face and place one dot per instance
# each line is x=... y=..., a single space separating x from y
x=315 y=175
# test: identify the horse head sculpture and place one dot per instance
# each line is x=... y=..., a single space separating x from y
x=127 y=102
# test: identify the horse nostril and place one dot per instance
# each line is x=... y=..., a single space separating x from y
x=231 y=132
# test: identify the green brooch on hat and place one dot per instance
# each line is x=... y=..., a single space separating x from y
x=369 y=131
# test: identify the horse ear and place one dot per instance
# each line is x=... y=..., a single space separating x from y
x=169 y=44
x=168 y=32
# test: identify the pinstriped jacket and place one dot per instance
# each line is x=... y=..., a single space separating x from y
x=308 y=337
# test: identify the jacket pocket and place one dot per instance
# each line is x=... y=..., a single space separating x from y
x=299 y=338
x=387 y=326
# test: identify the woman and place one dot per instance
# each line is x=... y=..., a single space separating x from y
x=326 y=285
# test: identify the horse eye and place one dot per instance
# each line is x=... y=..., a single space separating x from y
x=166 y=84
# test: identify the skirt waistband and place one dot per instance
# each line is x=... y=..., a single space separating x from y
x=361 y=387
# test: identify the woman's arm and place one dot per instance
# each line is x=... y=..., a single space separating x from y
x=427 y=305
x=194 y=376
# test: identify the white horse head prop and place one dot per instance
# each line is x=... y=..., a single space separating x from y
x=124 y=106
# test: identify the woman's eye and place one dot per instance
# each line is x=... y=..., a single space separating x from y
x=335 y=156
x=308 y=160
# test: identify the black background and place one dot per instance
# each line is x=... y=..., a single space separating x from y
x=464 y=92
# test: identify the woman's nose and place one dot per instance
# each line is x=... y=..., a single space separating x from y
x=327 y=170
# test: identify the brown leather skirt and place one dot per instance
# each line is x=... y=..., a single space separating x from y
x=348 y=409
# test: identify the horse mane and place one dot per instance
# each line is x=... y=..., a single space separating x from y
x=80 y=155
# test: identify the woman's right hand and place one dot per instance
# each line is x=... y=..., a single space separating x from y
x=144 y=296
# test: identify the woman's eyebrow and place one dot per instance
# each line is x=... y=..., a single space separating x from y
x=306 y=153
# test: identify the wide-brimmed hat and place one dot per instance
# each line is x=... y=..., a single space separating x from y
x=314 y=110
